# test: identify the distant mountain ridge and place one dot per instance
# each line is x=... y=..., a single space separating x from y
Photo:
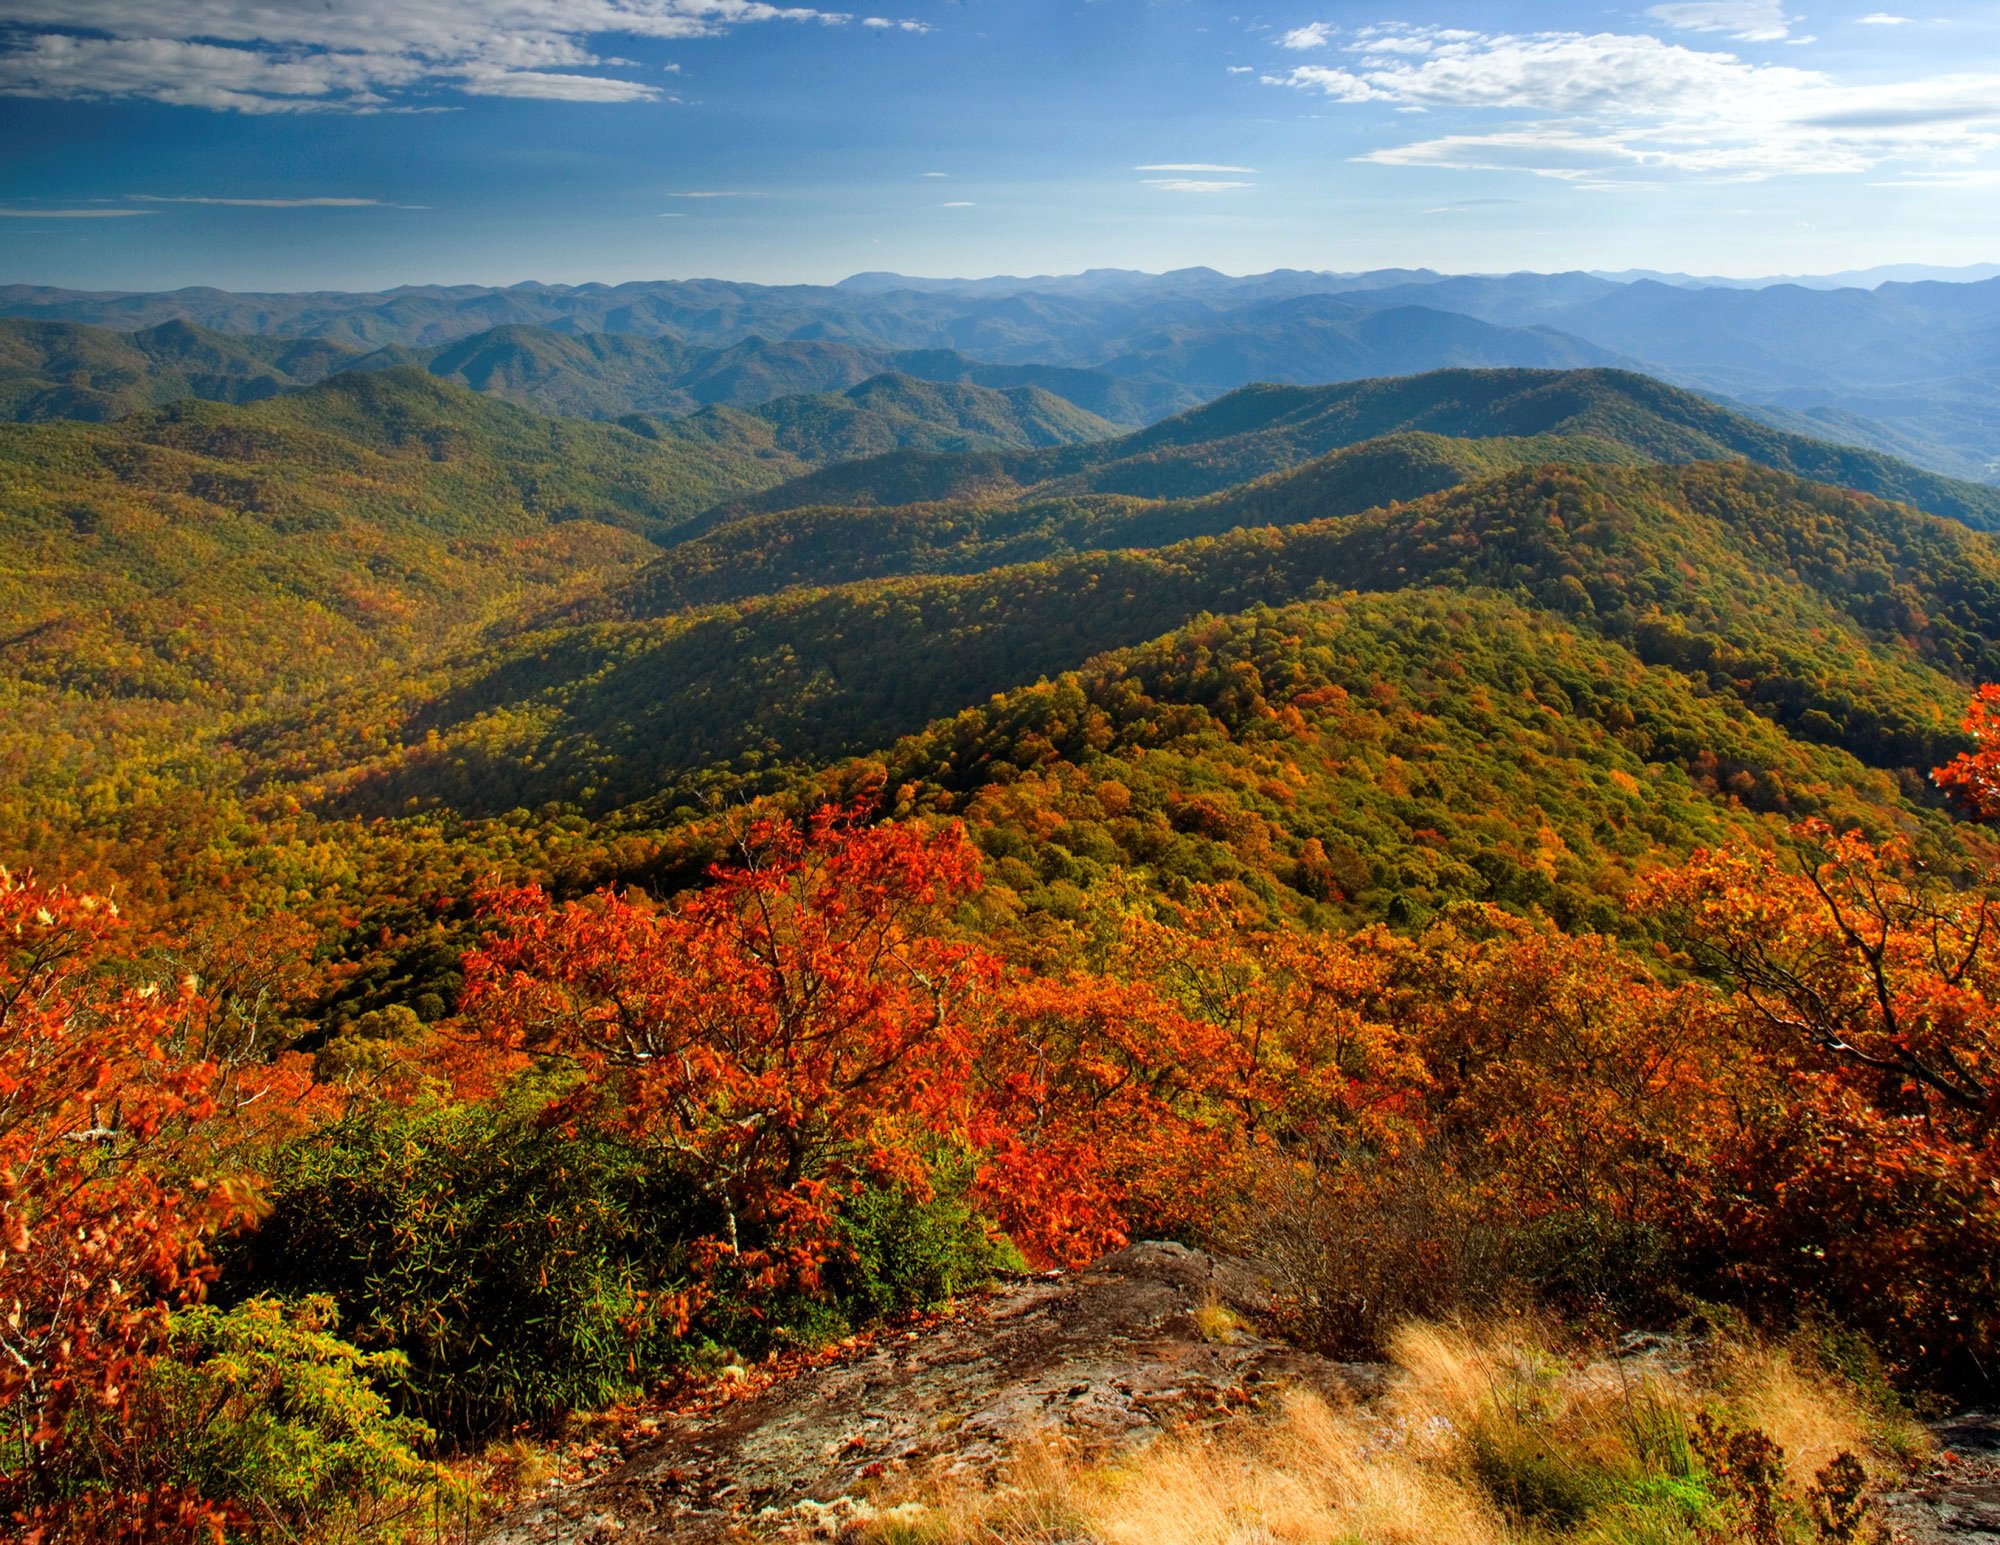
x=52 y=370
x=1252 y=432
x=1919 y=357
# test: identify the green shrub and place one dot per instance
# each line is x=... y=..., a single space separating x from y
x=525 y=1268
x=262 y=1411
x=519 y=1267
x=908 y=1253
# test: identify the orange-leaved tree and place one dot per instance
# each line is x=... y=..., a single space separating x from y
x=117 y=1159
x=796 y=1028
x=1094 y=1109
x=1973 y=777
x=1864 y=1166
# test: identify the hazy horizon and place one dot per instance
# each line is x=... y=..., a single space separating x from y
x=1866 y=278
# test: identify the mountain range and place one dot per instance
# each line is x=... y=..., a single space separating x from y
x=387 y=593
x=1390 y=678
x=1906 y=367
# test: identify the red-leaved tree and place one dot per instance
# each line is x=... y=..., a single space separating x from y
x=798 y=1027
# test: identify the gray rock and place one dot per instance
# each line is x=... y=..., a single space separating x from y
x=1108 y=1356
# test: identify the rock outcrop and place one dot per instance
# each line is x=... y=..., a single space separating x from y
x=1151 y=1336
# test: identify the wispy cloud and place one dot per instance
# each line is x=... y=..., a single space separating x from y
x=884 y=24
x=271 y=203
x=1884 y=19
x=937 y=174
x=1753 y=21
x=1192 y=185
x=1607 y=109
x=251 y=56
x=1312 y=35
x=72 y=214
x=1457 y=206
x=958 y=203
x=721 y=193
x=1192 y=166
x=1242 y=69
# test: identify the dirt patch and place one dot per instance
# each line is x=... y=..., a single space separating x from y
x=1109 y=1356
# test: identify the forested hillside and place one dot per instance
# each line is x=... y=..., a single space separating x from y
x=58 y=370
x=601 y=902
x=55 y=370
x=1264 y=428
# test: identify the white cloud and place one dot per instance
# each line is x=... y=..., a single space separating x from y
x=72 y=214
x=1341 y=85
x=1608 y=109
x=272 y=203
x=1313 y=35
x=552 y=86
x=1192 y=166
x=1884 y=19
x=958 y=203
x=1190 y=185
x=1754 y=21
x=937 y=174
x=883 y=23
x=257 y=56
x=1241 y=69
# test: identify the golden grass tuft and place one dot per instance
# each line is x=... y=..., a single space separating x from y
x=1813 y=1415
x=1490 y=1434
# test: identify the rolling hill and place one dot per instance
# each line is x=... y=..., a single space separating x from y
x=1257 y=430
x=55 y=370
x=1799 y=602
x=887 y=413
x=388 y=598
x=609 y=375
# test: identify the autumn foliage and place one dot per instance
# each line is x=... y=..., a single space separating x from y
x=787 y=1033
x=117 y=1135
x=1973 y=777
x=1788 y=1101
x=805 y=1025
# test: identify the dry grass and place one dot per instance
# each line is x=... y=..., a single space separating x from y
x=1813 y=1415
x=1215 y=1321
x=1313 y=1474
x=1487 y=1436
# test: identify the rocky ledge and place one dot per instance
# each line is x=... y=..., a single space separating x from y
x=1143 y=1339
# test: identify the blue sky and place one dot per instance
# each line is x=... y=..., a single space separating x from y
x=293 y=144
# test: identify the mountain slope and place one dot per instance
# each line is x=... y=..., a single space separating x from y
x=1312 y=339
x=294 y=647
x=1258 y=430
x=51 y=370
x=1841 y=619
x=887 y=413
x=305 y=530
x=713 y=560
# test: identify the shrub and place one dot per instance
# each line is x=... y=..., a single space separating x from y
x=523 y=1270
x=260 y=1409
x=908 y=1252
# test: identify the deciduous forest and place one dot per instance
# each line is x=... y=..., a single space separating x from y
x=504 y=915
